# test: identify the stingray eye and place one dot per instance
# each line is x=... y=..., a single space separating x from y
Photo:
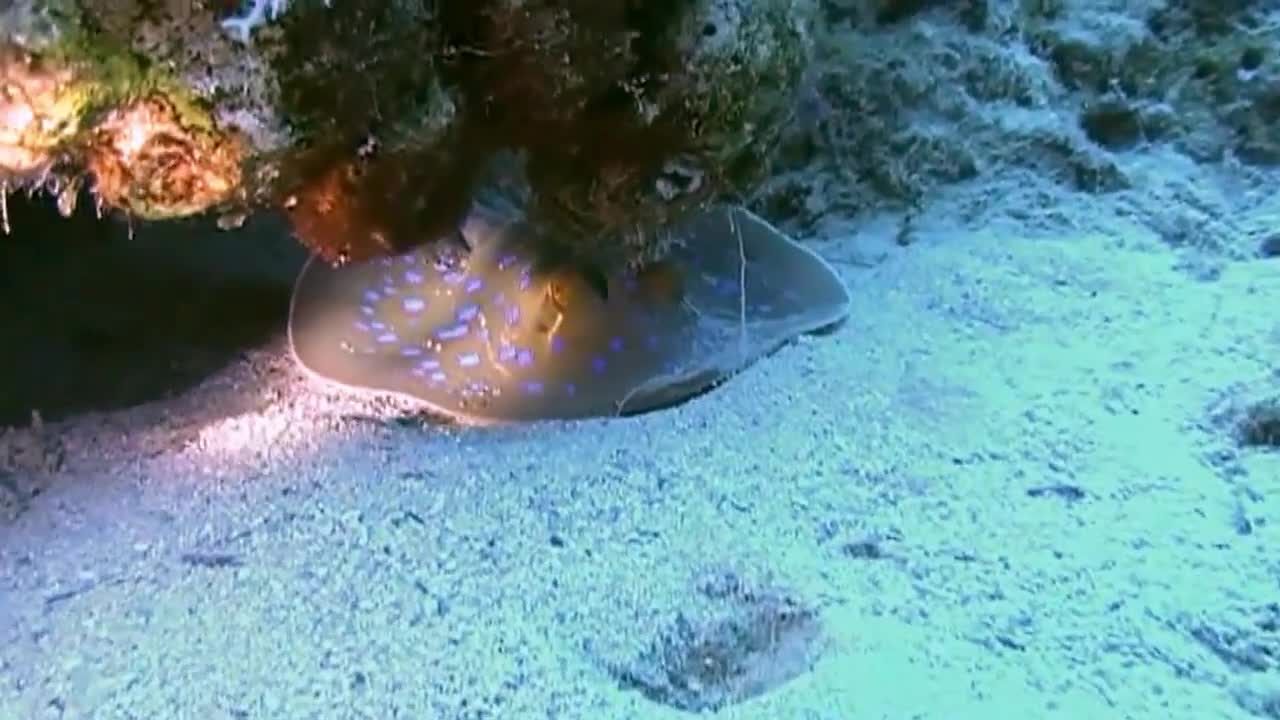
x=560 y=292
x=551 y=310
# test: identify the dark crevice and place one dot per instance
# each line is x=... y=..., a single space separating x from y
x=96 y=320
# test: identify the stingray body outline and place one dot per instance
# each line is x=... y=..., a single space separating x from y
x=405 y=326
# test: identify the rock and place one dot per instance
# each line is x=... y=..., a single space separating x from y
x=373 y=122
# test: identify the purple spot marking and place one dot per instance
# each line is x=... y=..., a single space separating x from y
x=467 y=313
x=615 y=344
x=468 y=360
x=372 y=296
x=506 y=261
x=525 y=278
x=513 y=315
x=474 y=284
x=368 y=310
x=413 y=304
x=387 y=338
x=453 y=277
x=411 y=351
x=378 y=325
x=524 y=357
x=507 y=352
x=429 y=364
x=533 y=387
x=438 y=376
x=452 y=333
x=598 y=364
x=557 y=344
x=362 y=326
x=413 y=277
x=570 y=389
x=652 y=341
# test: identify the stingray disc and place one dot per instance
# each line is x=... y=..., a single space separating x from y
x=480 y=336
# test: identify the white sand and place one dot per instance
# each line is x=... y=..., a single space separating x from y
x=376 y=570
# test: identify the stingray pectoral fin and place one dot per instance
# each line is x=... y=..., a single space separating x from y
x=329 y=334
x=318 y=324
x=381 y=325
x=601 y=350
x=740 y=266
x=750 y=289
x=788 y=282
x=668 y=390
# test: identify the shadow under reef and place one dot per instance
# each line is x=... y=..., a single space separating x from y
x=101 y=316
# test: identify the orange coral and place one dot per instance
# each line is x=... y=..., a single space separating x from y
x=146 y=163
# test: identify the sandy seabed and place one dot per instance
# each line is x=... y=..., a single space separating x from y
x=1011 y=485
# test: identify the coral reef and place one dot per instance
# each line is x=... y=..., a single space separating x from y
x=627 y=119
x=372 y=123
x=919 y=95
x=73 y=103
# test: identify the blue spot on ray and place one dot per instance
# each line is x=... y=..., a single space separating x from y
x=452 y=333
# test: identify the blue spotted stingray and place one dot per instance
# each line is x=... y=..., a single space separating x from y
x=479 y=333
